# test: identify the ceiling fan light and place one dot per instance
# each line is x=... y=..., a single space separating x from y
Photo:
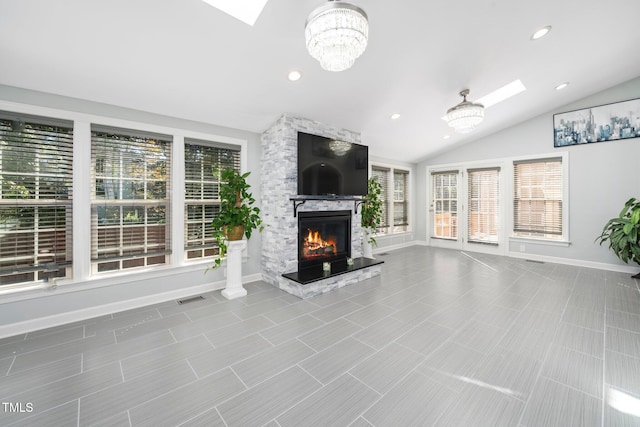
x=465 y=116
x=336 y=34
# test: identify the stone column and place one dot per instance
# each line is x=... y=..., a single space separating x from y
x=234 y=287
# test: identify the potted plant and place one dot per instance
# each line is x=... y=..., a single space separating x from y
x=623 y=233
x=237 y=216
x=371 y=216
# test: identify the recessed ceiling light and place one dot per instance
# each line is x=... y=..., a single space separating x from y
x=562 y=85
x=395 y=116
x=294 y=75
x=538 y=34
x=446 y=137
x=246 y=11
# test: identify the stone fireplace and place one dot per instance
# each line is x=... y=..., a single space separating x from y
x=281 y=239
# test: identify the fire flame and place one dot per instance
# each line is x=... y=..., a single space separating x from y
x=314 y=242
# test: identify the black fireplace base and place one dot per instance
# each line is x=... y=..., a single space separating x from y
x=315 y=273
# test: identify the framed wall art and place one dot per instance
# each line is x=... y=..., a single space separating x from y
x=609 y=122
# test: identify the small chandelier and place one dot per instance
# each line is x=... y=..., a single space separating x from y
x=340 y=148
x=336 y=34
x=464 y=117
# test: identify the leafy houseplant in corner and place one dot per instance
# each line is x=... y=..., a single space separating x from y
x=623 y=233
x=371 y=216
x=237 y=215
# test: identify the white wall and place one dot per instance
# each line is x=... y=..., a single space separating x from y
x=602 y=176
x=102 y=294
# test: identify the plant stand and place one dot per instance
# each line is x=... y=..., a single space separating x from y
x=367 y=247
x=234 y=287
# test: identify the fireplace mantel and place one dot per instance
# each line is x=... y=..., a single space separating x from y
x=301 y=200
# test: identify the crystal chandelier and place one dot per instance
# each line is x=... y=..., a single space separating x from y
x=340 y=148
x=336 y=34
x=464 y=117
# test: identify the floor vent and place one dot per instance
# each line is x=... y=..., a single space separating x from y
x=188 y=300
x=533 y=260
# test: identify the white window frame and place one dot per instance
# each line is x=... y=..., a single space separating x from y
x=81 y=277
x=140 y=205
x=44 y=202
x=565 y=238
x=203 y=202
x=408 y=196
x=506 y=199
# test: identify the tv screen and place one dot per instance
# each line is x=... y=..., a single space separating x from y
x=328 y=167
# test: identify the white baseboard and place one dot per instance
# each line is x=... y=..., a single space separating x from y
x=378 y=250
x=577 y=262
x=566 y=261
x=101 y=310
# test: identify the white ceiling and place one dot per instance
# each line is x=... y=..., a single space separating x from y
x=187 y=59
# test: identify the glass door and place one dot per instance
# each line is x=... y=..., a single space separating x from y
x=444 y=208
x=465 y=209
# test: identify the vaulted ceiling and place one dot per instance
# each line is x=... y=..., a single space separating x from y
x=187 y=59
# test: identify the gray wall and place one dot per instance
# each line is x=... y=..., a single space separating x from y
x=602 y=176
x=130 y=286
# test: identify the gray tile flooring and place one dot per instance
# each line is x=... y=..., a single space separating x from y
x=441 y=338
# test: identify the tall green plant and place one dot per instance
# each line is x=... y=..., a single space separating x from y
x=236 y=208
x=623 y=233
x=371 y=215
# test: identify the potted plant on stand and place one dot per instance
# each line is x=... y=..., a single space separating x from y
x=237 y=218
x=623 y=233
x=371 y=216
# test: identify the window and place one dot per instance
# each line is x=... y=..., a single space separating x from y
x=36 y=173
x=445 y=204
x=382 y=176
x=130 y=224
x=484 y=205
x=395 y=198
x=538 y=198
x=203 y=163
x=400 y=201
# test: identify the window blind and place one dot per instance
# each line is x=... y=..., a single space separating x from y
x=537 y=201
x=484 y=205
x=400 y=198
x=382 y=176
x=203 y=164
x=36 y=173
x=445 y=204
x=130 y=221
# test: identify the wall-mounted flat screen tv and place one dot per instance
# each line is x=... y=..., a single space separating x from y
x=329 y=167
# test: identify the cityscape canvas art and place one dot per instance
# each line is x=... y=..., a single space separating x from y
x=620 y=120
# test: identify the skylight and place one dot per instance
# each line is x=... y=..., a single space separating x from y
x=246 y=11
x=499 y=95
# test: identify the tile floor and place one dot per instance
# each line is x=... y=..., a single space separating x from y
x=441 y=338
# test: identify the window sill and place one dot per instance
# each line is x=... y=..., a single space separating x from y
x=543 y=242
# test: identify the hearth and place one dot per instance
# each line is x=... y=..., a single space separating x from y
x=323 y=236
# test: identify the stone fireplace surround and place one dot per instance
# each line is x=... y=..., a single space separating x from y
x=279 y=183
